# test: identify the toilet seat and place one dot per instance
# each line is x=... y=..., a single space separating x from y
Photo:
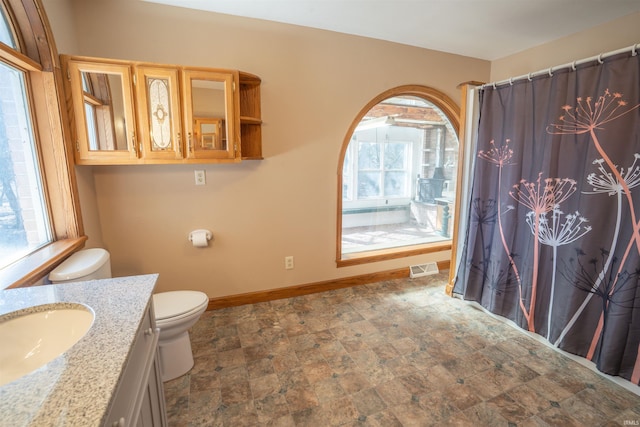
x=175 y=313
x=175 y=305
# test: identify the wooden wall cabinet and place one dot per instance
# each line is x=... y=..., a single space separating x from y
x=126 y=112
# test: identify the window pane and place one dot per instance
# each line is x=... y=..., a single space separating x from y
x=91 y=126
x=395 y=184
x=395 y=156
x=6 y=36
x=347 y=177
x=369 y=155
x=368 y=184
x=24 y=224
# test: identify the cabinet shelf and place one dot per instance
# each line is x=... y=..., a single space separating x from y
x=250 y=120
x=250 y=117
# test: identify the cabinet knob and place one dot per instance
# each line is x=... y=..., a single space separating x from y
x=148 y=332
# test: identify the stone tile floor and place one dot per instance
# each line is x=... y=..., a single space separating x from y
x=394 y=353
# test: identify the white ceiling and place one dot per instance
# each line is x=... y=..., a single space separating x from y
x=485 y=29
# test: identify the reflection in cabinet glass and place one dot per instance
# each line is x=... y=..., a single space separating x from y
x=104 y=111
x=103 y=108
x=208 y=134
x=210 y=95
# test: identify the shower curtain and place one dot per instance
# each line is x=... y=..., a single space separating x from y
x=552 y=238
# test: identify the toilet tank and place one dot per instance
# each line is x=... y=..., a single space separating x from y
x=87 y=264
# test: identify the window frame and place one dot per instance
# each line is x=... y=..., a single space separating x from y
x=38 y=58
x=452 y=112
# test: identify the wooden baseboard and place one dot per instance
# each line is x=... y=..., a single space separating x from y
x=311 y=288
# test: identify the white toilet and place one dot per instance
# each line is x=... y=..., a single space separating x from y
x=175 y=311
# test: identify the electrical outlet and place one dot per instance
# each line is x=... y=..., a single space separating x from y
x=201 y=178
x=288 y=263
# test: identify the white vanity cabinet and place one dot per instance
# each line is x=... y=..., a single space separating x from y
x=139 y=398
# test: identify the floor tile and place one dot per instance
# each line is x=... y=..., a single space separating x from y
x=393 y=353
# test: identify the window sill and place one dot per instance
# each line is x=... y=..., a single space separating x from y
x=35 y=266
x=393 y=253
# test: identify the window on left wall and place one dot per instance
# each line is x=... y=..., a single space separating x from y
x=24 y=218
x=39 y=209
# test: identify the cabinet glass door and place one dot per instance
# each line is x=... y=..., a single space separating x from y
x=159 y=112
x=210 y=115
x=103 y=108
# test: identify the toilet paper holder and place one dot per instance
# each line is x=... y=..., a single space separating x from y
x=196 y=235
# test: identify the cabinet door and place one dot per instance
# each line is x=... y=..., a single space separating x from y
x=102 y=98
x=159 y=112
x=209 y=96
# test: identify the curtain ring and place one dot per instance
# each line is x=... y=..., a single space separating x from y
x=510 y=81
x=600 y=61
x=529 y=76
x=634 y=52
x=550 y=73
x=573 y=66
x=494 y=85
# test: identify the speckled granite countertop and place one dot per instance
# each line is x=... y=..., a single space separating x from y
x=75 y=389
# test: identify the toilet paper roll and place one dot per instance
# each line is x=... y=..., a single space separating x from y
x=200 y=238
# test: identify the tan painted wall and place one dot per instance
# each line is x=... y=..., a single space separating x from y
x=621 y=33
x=314 y=84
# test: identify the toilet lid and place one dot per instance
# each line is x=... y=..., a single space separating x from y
x=80 y=264
x=176 y=303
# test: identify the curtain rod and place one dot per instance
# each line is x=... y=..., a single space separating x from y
x=632 y=49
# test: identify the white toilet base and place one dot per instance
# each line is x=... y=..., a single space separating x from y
x=176 y=358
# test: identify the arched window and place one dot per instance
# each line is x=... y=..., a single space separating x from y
x=397 y=177
x=39 y=211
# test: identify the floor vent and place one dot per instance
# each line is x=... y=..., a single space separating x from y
x=423 y=269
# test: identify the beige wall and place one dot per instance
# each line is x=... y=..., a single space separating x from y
x=314 y=84
x=621 y=33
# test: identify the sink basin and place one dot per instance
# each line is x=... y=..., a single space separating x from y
x=33 y=337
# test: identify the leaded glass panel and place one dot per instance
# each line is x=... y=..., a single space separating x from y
x=159 y=113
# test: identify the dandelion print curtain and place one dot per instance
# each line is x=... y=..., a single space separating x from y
x=553 y=237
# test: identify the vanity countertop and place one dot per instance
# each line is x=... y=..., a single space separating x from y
x=75 y=389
